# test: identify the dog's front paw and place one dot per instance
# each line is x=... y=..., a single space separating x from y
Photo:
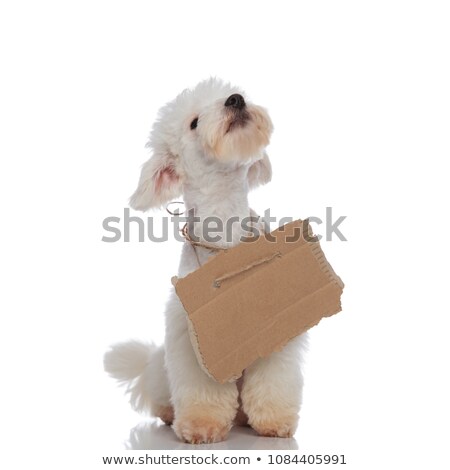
x=280 y=426
x=198 y=426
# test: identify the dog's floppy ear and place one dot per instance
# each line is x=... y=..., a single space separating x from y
x=260 y=172
x=159 y=182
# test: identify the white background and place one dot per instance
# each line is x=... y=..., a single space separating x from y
x=359 y=95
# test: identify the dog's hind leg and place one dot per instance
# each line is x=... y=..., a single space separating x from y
x=140 y=366
x=204 y=409
x=157 y=386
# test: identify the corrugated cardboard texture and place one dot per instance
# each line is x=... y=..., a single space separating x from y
x=252 y=299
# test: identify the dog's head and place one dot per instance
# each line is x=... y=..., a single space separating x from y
x=208 y=129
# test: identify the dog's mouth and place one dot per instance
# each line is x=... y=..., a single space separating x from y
x=237 y=120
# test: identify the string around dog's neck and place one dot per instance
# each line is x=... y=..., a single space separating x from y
x=185 y=233
x=194 y=244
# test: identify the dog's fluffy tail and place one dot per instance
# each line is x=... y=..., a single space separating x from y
x=140 y=367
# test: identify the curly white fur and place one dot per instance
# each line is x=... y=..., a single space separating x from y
x=213 y=166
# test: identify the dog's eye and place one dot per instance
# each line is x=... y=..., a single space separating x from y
x=194 y=123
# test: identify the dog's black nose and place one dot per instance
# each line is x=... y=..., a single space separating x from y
x=235 y=101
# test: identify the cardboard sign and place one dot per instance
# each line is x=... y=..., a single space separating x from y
x=252 y=299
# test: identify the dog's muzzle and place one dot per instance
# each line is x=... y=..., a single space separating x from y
x=235 y=104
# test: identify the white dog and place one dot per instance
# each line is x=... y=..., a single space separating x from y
x=208 y=146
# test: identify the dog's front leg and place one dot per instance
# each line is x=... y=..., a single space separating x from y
x=272 y=389
x=204 y=409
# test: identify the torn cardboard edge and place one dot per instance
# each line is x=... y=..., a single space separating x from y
x=250 y=300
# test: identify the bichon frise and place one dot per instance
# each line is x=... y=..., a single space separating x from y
x=208 y=145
